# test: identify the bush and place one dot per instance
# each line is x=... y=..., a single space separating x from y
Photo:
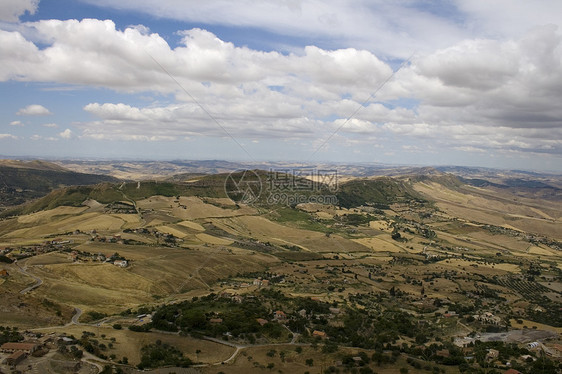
x=141 y=328
x=94 y=316
x=163 y=354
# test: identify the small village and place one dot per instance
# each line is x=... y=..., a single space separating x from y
x=33 y=348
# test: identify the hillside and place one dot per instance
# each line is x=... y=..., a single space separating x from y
x=418 y=259
x=21 y=181
x=379 y=192
x=209 y=186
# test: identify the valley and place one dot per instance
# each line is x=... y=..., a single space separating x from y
x=419 y=271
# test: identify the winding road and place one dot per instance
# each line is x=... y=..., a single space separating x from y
x=93 y=360
x=38 y=281
x=76 y=316
x=239 y=347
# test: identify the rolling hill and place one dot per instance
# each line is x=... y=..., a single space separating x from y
x=21 y=180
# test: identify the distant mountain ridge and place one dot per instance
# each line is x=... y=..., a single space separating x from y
x=361 y=184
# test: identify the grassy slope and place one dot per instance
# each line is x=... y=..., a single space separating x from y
x=20 y=182
x=378 y=192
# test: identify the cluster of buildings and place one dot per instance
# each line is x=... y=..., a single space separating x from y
x=259 y=282
x=100 y=257
x=17 y=352
x=14 y=353
x=488 y=318
x=106 y=239
x=15 y=253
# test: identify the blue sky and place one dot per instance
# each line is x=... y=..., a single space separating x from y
x=480 y=82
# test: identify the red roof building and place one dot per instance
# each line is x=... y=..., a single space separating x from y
x=16 y=357
x=13 y=347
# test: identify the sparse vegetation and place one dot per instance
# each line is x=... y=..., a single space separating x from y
x=387 y=275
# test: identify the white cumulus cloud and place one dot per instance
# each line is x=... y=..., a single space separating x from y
x=66 y=134
x=491 y=91
x=34 y=110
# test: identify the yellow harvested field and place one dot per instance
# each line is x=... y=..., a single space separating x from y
x=173 y=231
x=539 y=326
x=130 y=252
x=379 y=225
x=551 y=229
x=156 y=202
x=82 y=222
x=324 y=215
x=103 y=275
x=543 y=214
x=213 y=239
x=511 y=268
x=480 y=205
x=192 y=225
x=49 y=259
x=506 y=242
x=128 y=218
x=23 y=233
x=99 y=222
x=156 y=222
x=221 y=201
x=444 y=193
x=46 y=215
x=378 y=244
x=197 y=209
x=267 y=231
x=139 y=237
x=100 y=287
x=153 y=271
x=541 y=251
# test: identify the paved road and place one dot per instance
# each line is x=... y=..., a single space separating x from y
x=76 y=316
x=38 y=281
